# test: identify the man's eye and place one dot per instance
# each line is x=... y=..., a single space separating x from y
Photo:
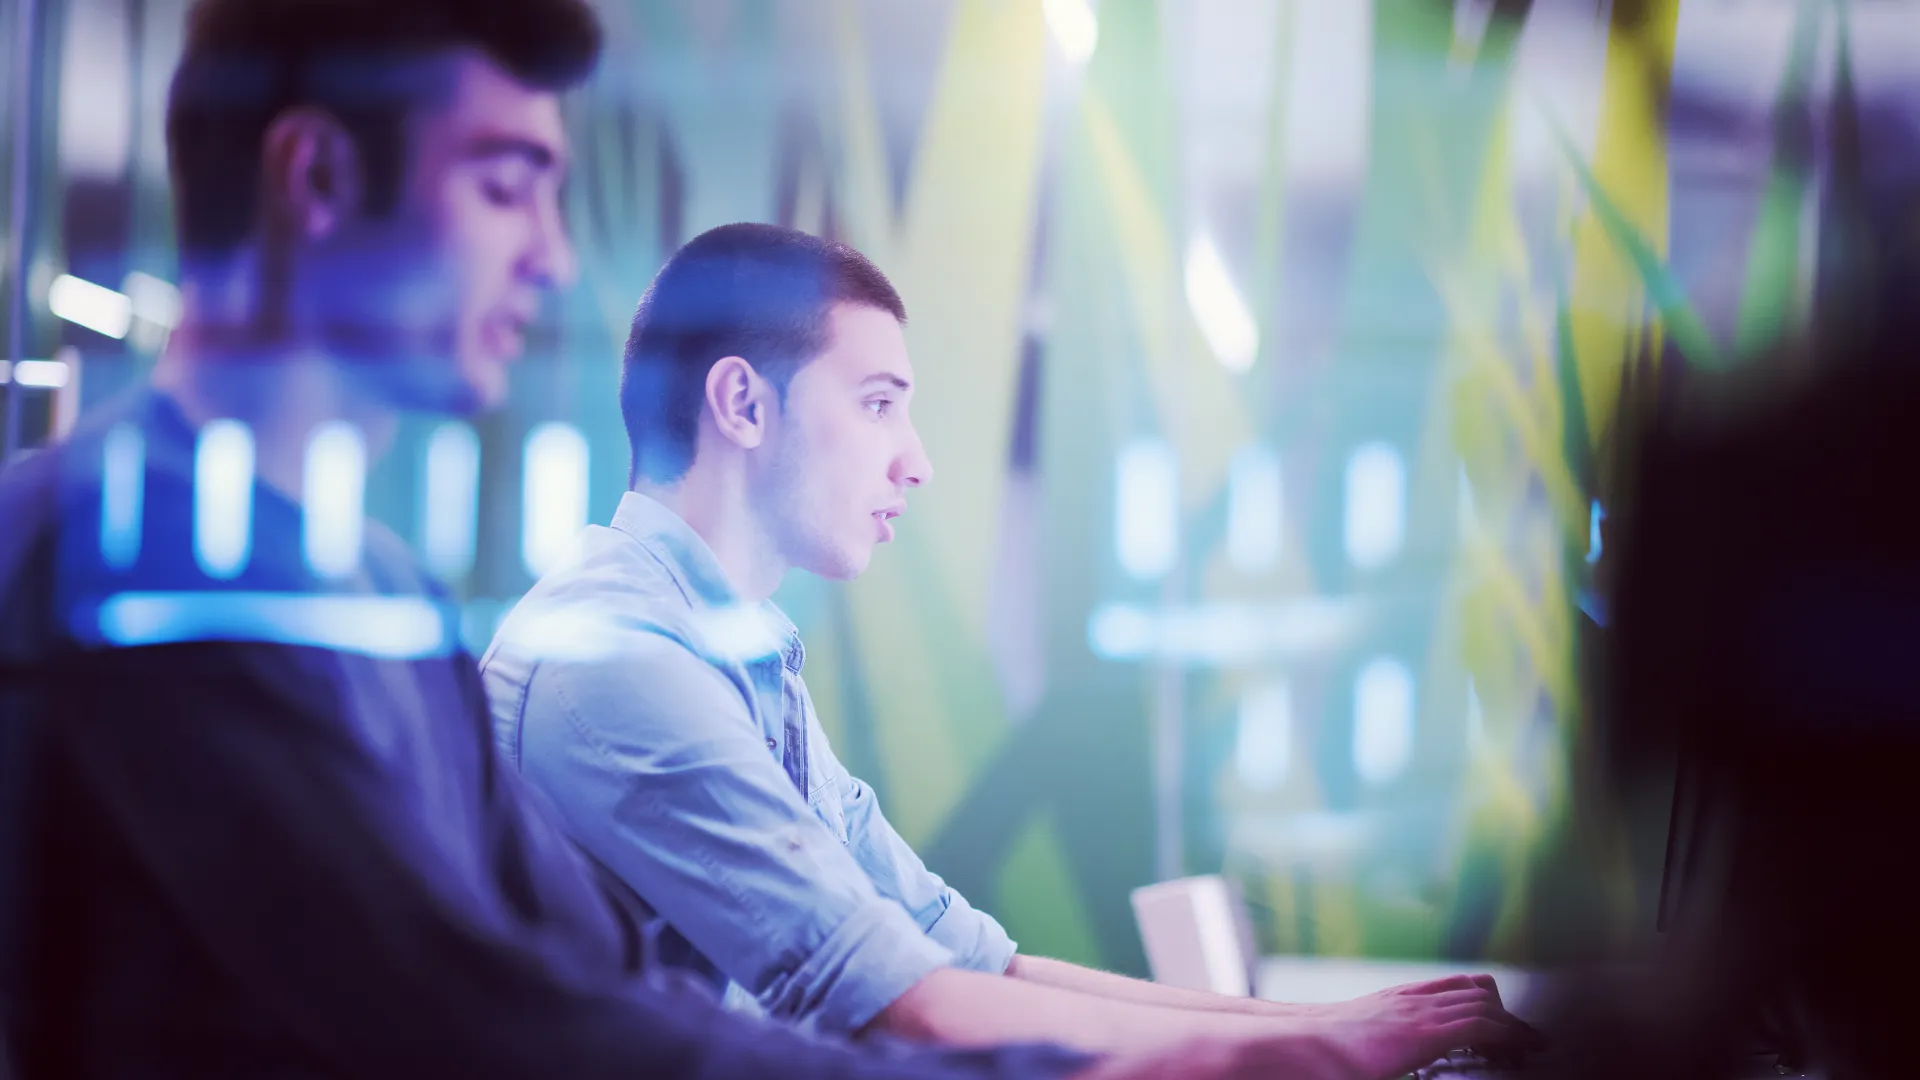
x=504 y=192
x=879 y=406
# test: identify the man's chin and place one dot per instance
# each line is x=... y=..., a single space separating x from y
x=842 y=566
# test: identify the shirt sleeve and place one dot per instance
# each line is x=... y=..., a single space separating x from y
x=655 y=762
x=311 y=875
x=976 y=940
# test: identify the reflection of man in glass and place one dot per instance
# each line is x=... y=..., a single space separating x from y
x=253 y=821
x=652 y=690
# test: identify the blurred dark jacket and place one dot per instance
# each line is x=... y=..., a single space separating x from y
x=256 y=826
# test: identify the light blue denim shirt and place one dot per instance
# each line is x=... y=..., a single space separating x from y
x=670 y=727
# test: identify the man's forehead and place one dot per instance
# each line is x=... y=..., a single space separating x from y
x=869 y=347
x=489 y=110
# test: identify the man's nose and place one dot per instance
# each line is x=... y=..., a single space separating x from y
x=913 y=468
x=553 y=260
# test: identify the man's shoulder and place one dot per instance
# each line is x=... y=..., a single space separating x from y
x=615 y=603
x=608 y=594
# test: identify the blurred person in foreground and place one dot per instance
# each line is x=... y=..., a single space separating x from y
x=254 y=823
x=1763 y=631
x=652 y=690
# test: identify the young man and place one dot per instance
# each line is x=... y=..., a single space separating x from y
x=252 y=820
x=652 y=690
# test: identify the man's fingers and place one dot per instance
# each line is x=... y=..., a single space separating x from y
x=1470 y=995
x=1510 y=1030
x=1436 y=986
x=1485 y=982
x=1483 y=1009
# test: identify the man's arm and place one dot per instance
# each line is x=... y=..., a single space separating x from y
x=1396 y=1033
x=1069 y=976
x=659 y=769
x=1115 y=1017
x=302 y=864
x=1395 y=1015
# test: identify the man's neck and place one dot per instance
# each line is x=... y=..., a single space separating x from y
x=282 y=392
x=714 y=504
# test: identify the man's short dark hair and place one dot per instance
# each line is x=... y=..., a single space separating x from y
x=759 y=292
x=247 y=61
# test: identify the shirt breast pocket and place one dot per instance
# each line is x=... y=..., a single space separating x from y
x=823 y=795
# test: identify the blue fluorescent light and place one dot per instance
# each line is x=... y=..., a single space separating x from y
x=390 y=627
x=1595 y=515
x=123 y=487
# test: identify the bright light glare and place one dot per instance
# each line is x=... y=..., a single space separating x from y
x=1382 y=721
x=1254 y=509
x=1225 y=634
x=95 y=307
x=396 y=627
x=554 y=498
x=1376 y=505
x=1147 y=508
x=1263 y=746
x=333 y=499
x=1074 y=26
x=153 y=299
x=223 y=498
x=450 y=500
x=1217 y=305
x=46 y=374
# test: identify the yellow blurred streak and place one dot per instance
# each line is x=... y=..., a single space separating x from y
x=1532 y=622
x=1611 y=322
x=1478 y=359
x=963 y=260
x=960 y=257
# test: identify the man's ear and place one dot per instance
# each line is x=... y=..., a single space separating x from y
x=313 y=175
x=738 y=400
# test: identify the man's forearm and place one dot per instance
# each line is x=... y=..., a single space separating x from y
x=968 y=1008
x=1065 y=976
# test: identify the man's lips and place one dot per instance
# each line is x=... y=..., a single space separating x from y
x=507 y=336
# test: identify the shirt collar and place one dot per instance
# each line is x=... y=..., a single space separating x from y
x=696 y=569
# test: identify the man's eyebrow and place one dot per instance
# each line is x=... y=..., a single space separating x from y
x=538 y=154
x=888 y=378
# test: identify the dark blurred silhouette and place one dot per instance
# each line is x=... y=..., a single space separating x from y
x=252 y=823
x=1761 y=650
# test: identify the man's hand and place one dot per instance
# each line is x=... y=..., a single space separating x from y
x=1402 y=1028
x=1384 y=1034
